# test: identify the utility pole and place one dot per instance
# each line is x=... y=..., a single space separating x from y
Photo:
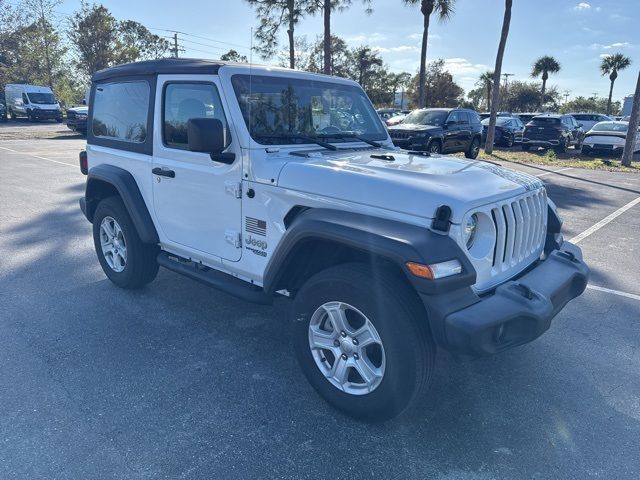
x=506 y=87
x=566 y=96
x=175 y=44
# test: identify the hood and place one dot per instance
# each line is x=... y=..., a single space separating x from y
x=414 y=127
x=82 y=109
x=411 y=184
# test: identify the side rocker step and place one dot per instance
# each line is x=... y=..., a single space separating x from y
x=213 y=278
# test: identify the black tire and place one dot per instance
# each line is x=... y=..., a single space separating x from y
x=562 y=148
x=399 y=318
x=508 y=141
x=13 y=115
x=59 y=120
x=434 y=146
x=474 y=149
x=525 y=148
x=31 y=118
x=141 y=266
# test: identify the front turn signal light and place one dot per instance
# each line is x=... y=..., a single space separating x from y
x=435 y=271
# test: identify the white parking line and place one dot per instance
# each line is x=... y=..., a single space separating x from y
x=555 y=171
x=604 y=221
x=614 y=292
x=38 y=156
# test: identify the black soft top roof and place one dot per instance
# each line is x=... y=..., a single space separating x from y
x=165 y=65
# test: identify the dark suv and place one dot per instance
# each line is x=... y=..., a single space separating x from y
x=439 y=130
x=556 y=131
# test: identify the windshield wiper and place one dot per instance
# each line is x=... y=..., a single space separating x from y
x=304 y=138
x=354 y=135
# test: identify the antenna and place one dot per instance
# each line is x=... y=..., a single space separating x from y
x=249 y=100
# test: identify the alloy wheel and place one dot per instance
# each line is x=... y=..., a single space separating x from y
x=114 y=246
x=346 y=348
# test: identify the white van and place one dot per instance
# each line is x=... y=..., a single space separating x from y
x=32 y=101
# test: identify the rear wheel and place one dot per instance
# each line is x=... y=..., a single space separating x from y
x=125 y=259
x=474 y=149
x=361 y=340
x=562 y=148
x=508 y=141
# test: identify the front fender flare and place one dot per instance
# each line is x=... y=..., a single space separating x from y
x=392 y=240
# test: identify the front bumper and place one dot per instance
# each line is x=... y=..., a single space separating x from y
x=411 y=143
x=610 y=149
x=77 y=124
x=42 y=114
x=517 y=312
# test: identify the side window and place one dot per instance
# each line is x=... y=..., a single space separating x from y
x=454 y=118
x=120 y=111
x=465 y=119
x=184 y=101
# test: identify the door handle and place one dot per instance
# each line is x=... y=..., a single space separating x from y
x=163 y=172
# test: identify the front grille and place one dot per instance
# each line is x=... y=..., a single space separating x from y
x=399 y=135
x=520 y=231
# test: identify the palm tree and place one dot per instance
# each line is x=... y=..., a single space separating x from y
x=327 y=6
x=544 y=65
x=486 y=81
x=444 y=10
x=495 y=100
x=611 y=65
x=632 y=131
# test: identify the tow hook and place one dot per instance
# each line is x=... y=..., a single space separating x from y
x=568 y=255
x=525 y=291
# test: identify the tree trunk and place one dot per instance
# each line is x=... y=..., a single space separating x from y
x=422 y=94
x=292 y=47
x=495 y=101
x=613 y=80
x=327 y=37
x=630 y=142
x=544 y=88
x=488 y=98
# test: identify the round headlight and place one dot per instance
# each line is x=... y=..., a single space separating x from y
x=470 y=230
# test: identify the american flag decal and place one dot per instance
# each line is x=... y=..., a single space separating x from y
x=255 y=226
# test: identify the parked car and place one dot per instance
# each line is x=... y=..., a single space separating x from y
x=509 y=130
x=484 y=115
x=3 y=113
x=440 y=130
x=387 y=113
x=588 y=120
x=552 y=130
x=33 y=102
x=608 y=137
x=396 y=119
x=77 y=119
x=381 y=255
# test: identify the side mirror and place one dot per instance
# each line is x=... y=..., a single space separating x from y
x=84 y=102
x=208 y=135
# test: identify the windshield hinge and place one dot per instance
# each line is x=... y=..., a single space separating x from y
x=233 y=188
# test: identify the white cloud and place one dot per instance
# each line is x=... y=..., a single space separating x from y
x=418 y=36
x=398 y=49
x=360 y=38
x=599 y=46
x=582 y=6
x=462 y=66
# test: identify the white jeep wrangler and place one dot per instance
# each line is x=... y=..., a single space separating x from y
x=263 y=181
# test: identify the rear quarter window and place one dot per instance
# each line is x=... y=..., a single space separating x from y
x=120 y=111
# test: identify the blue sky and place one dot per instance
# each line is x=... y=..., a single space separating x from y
x=576 y=32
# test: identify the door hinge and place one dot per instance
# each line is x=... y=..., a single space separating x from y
x=233 y=237
x=233 y=188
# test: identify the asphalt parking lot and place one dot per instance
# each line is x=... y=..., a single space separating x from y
x=181 y=381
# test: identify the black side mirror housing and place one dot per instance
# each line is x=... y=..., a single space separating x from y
x=208 y=135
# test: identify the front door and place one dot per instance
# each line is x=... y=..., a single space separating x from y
x=451 y=132
x=196 y=199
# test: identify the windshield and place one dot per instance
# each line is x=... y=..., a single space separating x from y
x=611 y=127
x=499 y=121
x=41 y=98
x=427 y=117
x=281 y=110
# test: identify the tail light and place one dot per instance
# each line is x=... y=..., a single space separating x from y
x=84 y=164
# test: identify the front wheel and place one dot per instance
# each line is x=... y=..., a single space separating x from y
x=435 y=147
x=125 y=259
x=361 y=340
x=474 y=149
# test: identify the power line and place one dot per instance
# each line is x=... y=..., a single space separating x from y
x=200 y=37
